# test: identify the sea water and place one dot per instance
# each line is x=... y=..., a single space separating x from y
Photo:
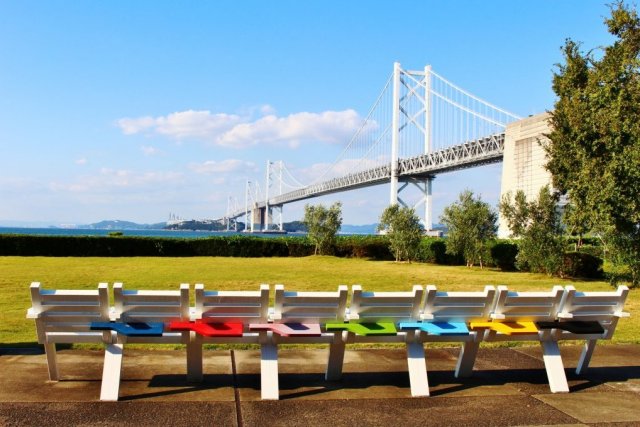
x=178 y=234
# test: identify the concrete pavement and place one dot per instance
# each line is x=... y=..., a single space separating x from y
x=509 y=387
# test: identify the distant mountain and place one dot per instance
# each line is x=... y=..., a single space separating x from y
x=122 y=225
x=196 y=225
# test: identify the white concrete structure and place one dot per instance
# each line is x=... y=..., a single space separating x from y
x=524 y=160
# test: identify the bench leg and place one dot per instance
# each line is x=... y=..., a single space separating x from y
x=269 y=371
x=111 y=372
x=52 y=361
x=467 y=359
x=194 y=358
x=585 y=357
x=555 y=368
x=336 y=358
x=417 y=369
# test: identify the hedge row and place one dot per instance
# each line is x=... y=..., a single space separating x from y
x=125 y=246
x=432 y=250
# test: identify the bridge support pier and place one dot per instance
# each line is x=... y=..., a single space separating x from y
x=424 y=185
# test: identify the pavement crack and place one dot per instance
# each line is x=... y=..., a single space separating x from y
x=236 y=390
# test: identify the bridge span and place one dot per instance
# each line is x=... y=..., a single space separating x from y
x=480 y=152
x=420 y=125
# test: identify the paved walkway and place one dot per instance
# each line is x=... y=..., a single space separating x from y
x=509 y=387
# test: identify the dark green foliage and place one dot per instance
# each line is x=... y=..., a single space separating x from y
x=538 y=227
x=125 y=246
x=403 y=230
x=372 y=247
x=579 y=264
x=471 y=223
x=594 y=149
x=434 y=250
x=503 y=255
x=322 y=226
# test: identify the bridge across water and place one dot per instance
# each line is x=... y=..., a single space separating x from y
x=419 y=126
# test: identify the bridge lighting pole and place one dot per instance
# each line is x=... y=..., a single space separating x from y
x=428 y=203
x=395 y=133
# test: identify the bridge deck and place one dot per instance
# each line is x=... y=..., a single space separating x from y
x=486 y=150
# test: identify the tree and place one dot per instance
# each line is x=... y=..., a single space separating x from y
x=594 y=149
x=471 y=224
x=539 y=229
x=323 y=225
x=404 y=231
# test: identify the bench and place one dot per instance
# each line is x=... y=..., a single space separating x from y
x=444 y=318
x=140 y=316
x=298 y=317
x=240 y=317
x=514 y=318
x=65 y=316
x=588 y=316
x=373 y=317
x=222 y=317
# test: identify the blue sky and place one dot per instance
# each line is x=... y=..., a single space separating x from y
x=134 y=110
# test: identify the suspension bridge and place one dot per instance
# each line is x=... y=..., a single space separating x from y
x=419 y=126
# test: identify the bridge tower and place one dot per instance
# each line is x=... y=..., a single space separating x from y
x=402 y=117
x=273 y=168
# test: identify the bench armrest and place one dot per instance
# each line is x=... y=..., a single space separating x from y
x=622 y=314
x=31 y=314
x=565 y=315
x=497 y=316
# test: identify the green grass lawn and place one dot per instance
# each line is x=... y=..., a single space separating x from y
x=301 y=274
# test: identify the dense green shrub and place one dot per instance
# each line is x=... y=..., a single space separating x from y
x=373 y=247
x=434 y=250
x=579 y=264
x=503 y=255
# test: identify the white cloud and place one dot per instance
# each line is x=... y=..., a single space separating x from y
x=224 y=166
x=148 y=150
x=110 y=179
x=181 y=125
x=81 y=162
x=229 y=130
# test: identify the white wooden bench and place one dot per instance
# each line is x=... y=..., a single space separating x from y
x=145 y=316
x=298 y=317
x=514 y=318
x=65 y=316
x=588 y=316
x=374 y=317
x=140 y=316
x=222 y=317
x=445 y=317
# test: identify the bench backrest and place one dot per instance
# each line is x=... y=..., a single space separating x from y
x=527 y=306
x=150 y=306
x=604 y=307
x=458 y=306
x=317 y=307
x=68 y=311
x=233 y=306
x=385 y=306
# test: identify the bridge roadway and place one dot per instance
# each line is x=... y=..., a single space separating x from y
x=479 y=152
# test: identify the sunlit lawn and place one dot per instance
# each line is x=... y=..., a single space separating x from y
x=309 y=273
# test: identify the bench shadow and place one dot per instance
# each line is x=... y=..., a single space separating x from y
x=178 y=384
x=27 y=348
x=442 y=383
